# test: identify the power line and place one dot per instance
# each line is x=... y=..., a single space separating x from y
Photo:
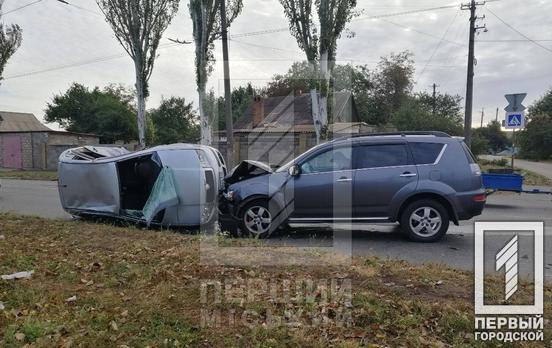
x=519 y=32
x=422 y=32
x=438 y=45
x=382 y=16
x=81 y=63
x=514 y=40
x=21 y=7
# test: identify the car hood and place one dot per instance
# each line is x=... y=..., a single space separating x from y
x=247 y=170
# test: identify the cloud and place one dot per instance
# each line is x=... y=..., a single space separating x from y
x=57 y=35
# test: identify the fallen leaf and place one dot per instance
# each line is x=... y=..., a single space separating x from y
x=124 y=313
x=71 y=299
x=114 y=326
x=2 y=237
x=440 y=282
x=19 y=336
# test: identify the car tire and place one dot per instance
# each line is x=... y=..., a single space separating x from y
x=256 y=220
x=425 y=221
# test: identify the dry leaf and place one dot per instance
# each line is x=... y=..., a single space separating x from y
x=114 y=326
x=71 y=299
x=19 y=336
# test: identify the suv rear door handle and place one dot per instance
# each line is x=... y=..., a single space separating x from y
x=344 y=179
x=408 y=175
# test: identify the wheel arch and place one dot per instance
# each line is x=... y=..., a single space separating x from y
x=429 y=195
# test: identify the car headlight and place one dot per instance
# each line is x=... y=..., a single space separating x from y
x=229 y=195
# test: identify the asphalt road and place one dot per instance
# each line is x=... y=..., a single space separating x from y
x=542 y=168
x=456 y=249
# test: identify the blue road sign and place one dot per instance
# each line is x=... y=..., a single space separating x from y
x=515 y=120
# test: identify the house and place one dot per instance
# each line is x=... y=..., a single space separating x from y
x=25 y=143
x=276 y=129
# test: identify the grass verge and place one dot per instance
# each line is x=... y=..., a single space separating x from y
x=105 y=286
x=29 y=175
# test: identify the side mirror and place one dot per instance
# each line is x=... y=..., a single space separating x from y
x=294 y=170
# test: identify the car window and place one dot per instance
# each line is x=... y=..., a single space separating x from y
x=377 y=156
x=426 y=153
x=330 y=161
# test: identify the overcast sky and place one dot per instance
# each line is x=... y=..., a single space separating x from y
x=64 y=44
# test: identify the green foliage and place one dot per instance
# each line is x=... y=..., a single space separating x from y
x=536 y=140
x=378 y=93
x=10 y=40
x=416 y=115
x=107 y=113
x=392 y=83
x=479 y=144
x=175 y=122
x=496 y=138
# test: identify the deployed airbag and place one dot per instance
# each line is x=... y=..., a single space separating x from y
x=163 y=195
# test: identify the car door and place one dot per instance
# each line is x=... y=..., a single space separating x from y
x=382 y=172
x=323 y=189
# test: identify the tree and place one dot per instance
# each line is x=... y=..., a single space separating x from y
x=10 y=40
x=417 y=115
x=319 y=44
x=205 y=16
x=105 y=113
x=175 y=122
x=536 y=139
x=496 y=138
x=242 y=97
x=392 y=85
x=138 y=26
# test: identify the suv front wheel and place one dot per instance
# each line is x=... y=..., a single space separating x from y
x=425 y=221
x=256 y=220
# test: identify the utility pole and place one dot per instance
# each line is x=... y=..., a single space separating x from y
x=227 y=89
x=482 y=116
x=474 y=29
x=496 y=118
x=435 y=98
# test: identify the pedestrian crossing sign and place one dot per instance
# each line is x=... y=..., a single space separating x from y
x=515 y=120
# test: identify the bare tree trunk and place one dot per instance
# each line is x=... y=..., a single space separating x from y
x=141 y=106
x=315 y=114
x=206 y=134
x=323 y=104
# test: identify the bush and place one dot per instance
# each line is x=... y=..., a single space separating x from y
x=536 y=140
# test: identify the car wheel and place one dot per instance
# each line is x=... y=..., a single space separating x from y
x=256 y=220
x=425 y=221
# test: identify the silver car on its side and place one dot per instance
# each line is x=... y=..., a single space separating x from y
x=169 y=185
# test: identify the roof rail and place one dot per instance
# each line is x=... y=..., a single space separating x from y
x=402 y=134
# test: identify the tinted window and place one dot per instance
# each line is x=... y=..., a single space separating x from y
x=377 y=156
x=329 y=161
x=426 y=153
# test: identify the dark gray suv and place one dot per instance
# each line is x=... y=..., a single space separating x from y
x=423 y=180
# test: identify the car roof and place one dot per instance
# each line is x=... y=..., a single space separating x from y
x=432 y=137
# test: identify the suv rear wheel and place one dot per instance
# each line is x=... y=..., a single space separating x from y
x=425 y=221
x=256 y=220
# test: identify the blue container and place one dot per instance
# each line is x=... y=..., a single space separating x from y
x=503 y=182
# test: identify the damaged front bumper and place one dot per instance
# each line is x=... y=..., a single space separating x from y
x=228 y=214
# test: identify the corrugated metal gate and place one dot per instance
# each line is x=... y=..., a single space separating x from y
x=11 y=154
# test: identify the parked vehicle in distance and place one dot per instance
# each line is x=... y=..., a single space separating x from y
x=423 y=180
x=169 y=185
